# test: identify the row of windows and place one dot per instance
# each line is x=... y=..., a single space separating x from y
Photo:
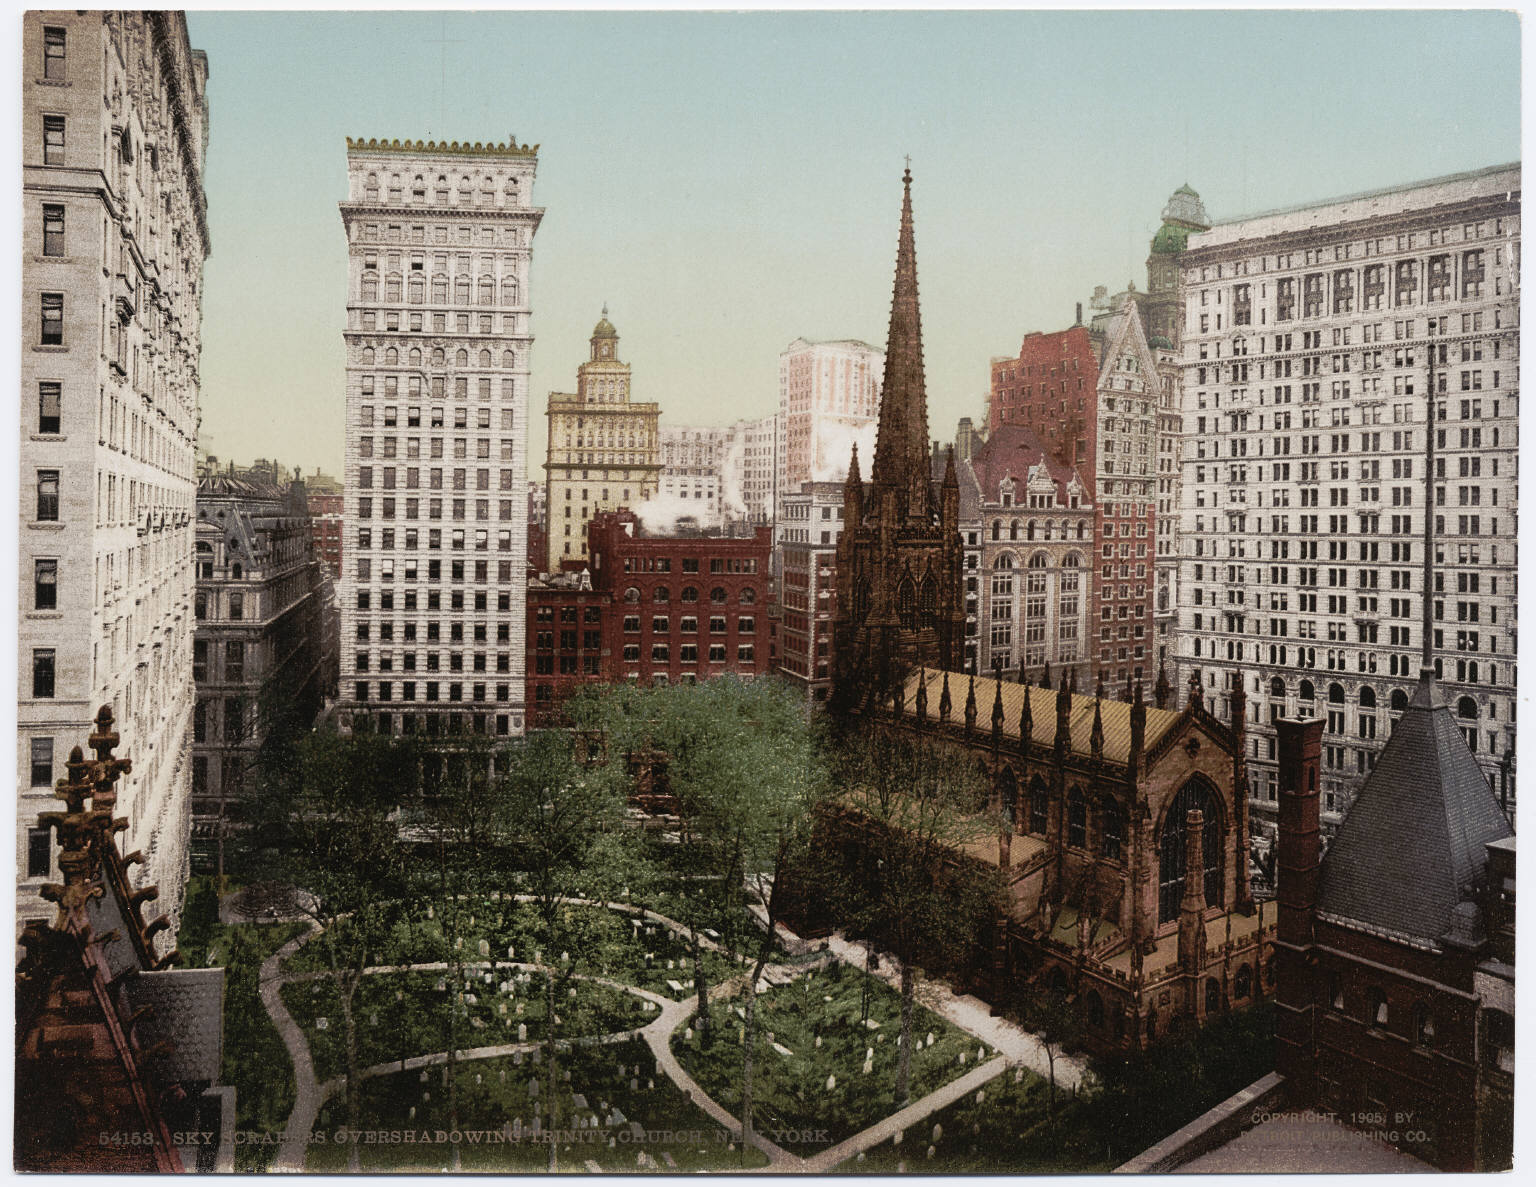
x=431 y=661
x=689 y=624
x=430 y=690
x=688 y=653
x=457 y=509
x=441 y=190
x=661 y=594
x=415 y=290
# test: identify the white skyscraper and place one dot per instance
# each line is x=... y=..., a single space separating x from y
x=829 y=397
x=440 y=242
x=114 y=234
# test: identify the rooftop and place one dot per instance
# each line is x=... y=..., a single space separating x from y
x=451 y=148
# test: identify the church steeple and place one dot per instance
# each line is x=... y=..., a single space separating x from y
x=901 y=462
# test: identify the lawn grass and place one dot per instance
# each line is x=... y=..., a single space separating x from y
x=495 y=1093
x=797 y=1093
x=256 y=1063
x=391 y=1028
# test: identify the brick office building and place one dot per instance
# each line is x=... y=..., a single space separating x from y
x=325 y=525
x=566 y=647
x=681 y=608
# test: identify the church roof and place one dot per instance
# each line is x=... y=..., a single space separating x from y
x=1413 y=845
x=1115 y=715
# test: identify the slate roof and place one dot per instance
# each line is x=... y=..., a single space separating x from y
x=1116 y=715
x=188 y=1013
x=1010 y=452
x=1412 y=846
x=965 y=475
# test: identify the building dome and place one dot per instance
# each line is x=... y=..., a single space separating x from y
x=1184 y=207
x=1159 y=341
x=604 y=328
x=1169 y=240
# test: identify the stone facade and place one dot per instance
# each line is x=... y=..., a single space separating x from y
x=1309 y=338
x=439 y=242
x=604 y=449
x=810 y=524
x=114 y=235
x=692 y=462
x=262 y=644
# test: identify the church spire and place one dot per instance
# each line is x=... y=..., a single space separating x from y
x=901 y=442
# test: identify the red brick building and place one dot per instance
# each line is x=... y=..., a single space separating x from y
x=681 y=608
x=325 y=525
x=1091 y=395
x=566 y=648
x=1395 y=951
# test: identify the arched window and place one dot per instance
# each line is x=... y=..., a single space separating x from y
x=488 y=192
x=928 y=603
x=1082 y=530
x=1112 y=816
x=440 y=190
x=392 y=287
x=1007 y=792
x=418 y=188
x=416 y=290
x=1094 y=1005
x=439 y=290
x=415 y=356
x=371 y=188
x=748 y=596
x=997 y=528
x=1277 y=687
x=438 y=357
x=861 y=598
x=690 y=594
x=509 y=290
x=367 y=356
x=1466 y=708
x=1367 y=697
x=487 y=290
x=717 y=595
x=906 y=603
x=464 y=190
x=1399 y=700
x=1077 y=819
x=391 y=357
x=509 y=191
x=508 y=359
x=461 y=358
x=1242 y=983
x=1171 y=848
x=1039 y=805
x=632 y=595
x=1305 y=692
x=394 y=187
x=485 y=358
x=1335 y=694
x=661 y=594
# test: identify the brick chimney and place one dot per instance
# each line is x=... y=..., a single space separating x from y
x=1297 y=870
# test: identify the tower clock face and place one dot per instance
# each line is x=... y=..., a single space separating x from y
x=607 y=351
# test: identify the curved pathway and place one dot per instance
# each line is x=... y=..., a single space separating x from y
x=1015 y=1046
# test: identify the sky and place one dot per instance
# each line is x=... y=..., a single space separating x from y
x=726 y=183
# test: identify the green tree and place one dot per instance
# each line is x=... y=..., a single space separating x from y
x=327 y=823
x=908 y=811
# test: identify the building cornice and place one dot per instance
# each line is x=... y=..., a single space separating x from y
x=372 y=146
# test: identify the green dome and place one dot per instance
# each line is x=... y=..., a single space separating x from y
x=1169 y=240
x=604 y=328
x=1158 y=341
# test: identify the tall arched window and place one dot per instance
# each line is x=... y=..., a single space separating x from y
x=1077 y=819
x=485 y=358
x=1399 y=700
x=371 y=188
x=748 y=596
x=1039 y=805
x=367 y=356
x=438 y=357
x=1171 y=848
x=509 y=191
x=1277 y=687
x=508 y=359
x=928 y=603
x=461 y=358
x=415 y=356
x=1112 y=816
x=1007 y=792
x=906 y=603
x=1367 y=697
x=391 y=357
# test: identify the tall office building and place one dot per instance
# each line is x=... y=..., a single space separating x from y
x=1309 y=337
x=692 y=460
x=439 y=243
x=114 y=234
x=829 y=397
x=604 y=448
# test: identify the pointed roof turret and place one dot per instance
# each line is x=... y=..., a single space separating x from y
x=922 y=697
x=945 y=704
x=1026 y=723
x=901 y=439
x=970 y=704
x=1096 y=734
x=1412 y=847
x=1045 y=676
x=997 y=699
x=1162 y=690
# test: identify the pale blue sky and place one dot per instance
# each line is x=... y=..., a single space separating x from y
x=730 y=182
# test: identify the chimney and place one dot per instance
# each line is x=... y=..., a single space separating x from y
x=1297 y=872
x=1079 y=320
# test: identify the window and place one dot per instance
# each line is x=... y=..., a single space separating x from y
x=42 y=762
x=200 y=659
x=45 y=585
x=52 y=319
x=42 y=671
x=234 y=718
x=237 y=606
x=53 y=139
x=234 y=662
x=53 y=230
x=39 y=852
x=53 y=53
x=50 y=399
x=47 y=496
